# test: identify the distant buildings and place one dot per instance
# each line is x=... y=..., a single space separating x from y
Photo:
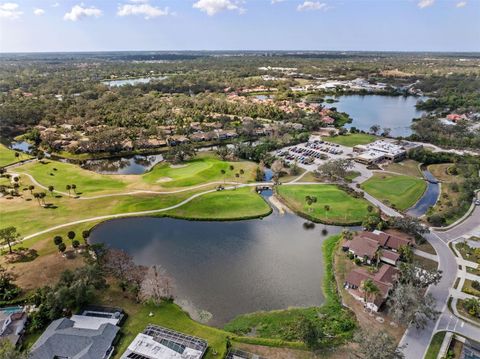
x=161 y=343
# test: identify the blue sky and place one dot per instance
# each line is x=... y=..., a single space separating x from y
x=98 y=25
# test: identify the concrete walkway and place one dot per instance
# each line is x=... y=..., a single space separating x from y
x=426 y=255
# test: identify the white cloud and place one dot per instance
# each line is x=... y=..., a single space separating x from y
x=78 y=12
x=425 y=3
x=9 y=10
x=311 y=5
x=461 y=4
x=147 y=10
x=276 y=1
x=211 y=7
x=56 y=4
x=39 y=12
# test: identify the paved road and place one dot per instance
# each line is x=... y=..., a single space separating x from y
x=418 y=340
x=470 y=226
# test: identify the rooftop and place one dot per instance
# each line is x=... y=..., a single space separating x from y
x=162 y=343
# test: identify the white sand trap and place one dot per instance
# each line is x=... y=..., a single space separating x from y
x=164 y=179
x=178 y=166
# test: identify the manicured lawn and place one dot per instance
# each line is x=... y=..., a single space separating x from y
x=87 y=182
x=406 y=167
x=228 y=204
x=435 y=345
x=399 y=191
x=344 y=209
x=197 y=171
x=465 y=313
x=7 y=156
x=352 y=139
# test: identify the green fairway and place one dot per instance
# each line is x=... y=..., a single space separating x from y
x=352 y=139
x=231 y=204
x=7 y=156
x=343 y=208
x=59 y=174
x=197 y=171
x=401 y=192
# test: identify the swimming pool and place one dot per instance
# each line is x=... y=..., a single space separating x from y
x=12 y=310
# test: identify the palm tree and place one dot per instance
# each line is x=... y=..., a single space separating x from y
x=223 y=173
x=31 y=188
x=369 y=289
x=231 y=167
x=327 y=208
x=42 y=196
x=36 y=195
x=242 y=172
x=378 y=255
x=68 y=188
x=74 y=188
x=51 y=189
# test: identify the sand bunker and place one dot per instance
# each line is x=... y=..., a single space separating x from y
x=164 y=179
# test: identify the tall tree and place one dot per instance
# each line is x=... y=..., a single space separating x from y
x=376 y=345
x=408 y=305
x=157 y=285
x=8 y=236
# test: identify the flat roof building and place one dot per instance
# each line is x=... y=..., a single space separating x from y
x=378 y=151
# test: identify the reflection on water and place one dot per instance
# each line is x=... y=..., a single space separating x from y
x=228 y=268
x=394 y=112
x=429 y=198
x=124 y=165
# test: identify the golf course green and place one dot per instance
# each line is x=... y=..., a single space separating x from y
x=332 y=206
x=399 y=191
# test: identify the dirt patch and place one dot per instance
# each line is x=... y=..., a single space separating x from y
x=163 y=180
x=43 y=270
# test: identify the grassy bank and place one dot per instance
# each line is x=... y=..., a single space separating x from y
x=333 y=205
x=449 y=204
x=352 y=139
x=435 y=345
x=7 y=156
x=401 y=192
x=224 y=205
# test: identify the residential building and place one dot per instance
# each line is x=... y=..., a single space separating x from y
x=384 y=279
x=375 y=246
x=161 y=343
x=89 y=335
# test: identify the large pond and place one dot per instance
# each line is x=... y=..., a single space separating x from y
x=228 y=268
x=394 y=112
x=132 y=165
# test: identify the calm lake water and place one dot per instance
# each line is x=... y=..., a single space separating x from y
x=228 y=268
x=132 y=82
x=395 y=112
x=132 y=165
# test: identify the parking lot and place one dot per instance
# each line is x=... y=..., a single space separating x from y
x=311 y=154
